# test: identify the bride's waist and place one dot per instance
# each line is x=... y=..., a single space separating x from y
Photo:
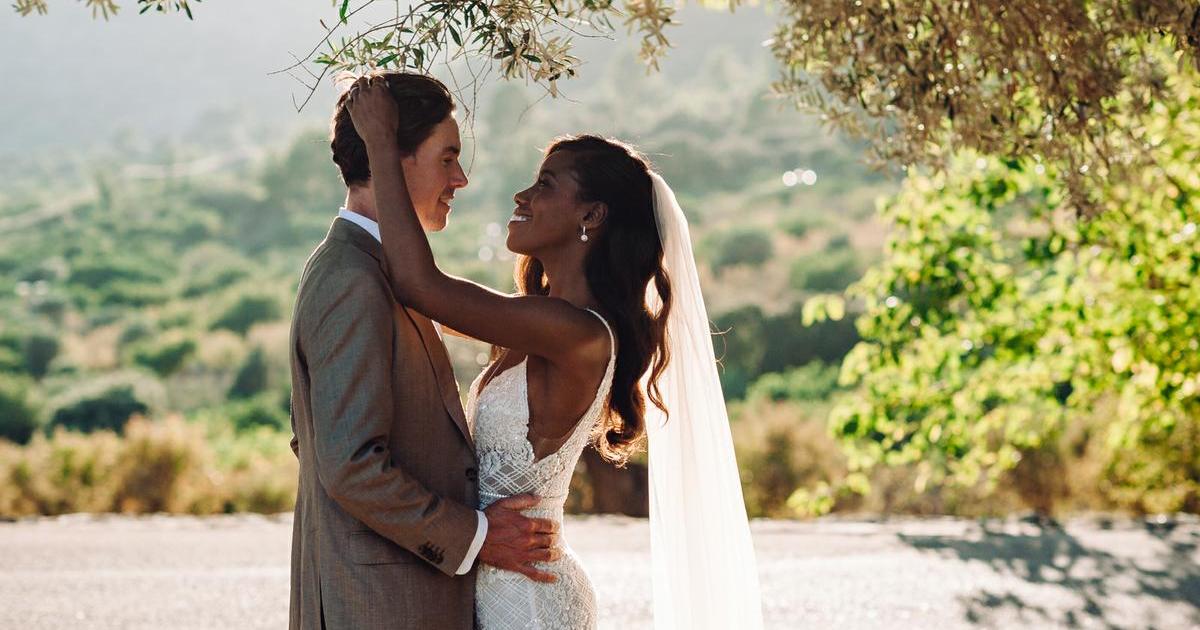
x=546 y=507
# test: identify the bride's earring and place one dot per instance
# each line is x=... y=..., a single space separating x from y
x=583 y=236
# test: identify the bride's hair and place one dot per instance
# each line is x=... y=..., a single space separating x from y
x=626 y=257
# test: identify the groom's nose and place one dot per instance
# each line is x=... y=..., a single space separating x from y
x=458 y=178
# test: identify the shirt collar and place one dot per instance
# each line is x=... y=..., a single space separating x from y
x=370 y=226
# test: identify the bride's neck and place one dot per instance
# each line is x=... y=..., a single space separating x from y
x=567 y=280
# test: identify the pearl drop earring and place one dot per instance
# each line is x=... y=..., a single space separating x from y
x=584 y=237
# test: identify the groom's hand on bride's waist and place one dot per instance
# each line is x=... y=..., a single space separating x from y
x=514 y=541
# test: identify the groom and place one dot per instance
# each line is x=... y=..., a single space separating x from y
x=385 y=532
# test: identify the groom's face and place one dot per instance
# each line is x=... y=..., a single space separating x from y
x=433 y=173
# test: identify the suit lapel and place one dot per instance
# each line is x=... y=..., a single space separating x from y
x=434 y=348
x=442 y=368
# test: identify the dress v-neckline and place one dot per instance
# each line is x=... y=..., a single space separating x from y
x=524 y=380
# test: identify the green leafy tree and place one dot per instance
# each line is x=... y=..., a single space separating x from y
x=247 y=311
x=108 y=409
x=998 y=317
x=18 y=409
x=164 y=358
x=252 y=377
x=743 y=246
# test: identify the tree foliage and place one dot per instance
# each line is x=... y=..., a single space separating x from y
x=998 y=317
x=107 y=8
x=920 y=78
x=1026 y=78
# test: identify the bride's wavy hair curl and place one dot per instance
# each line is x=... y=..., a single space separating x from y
x=625 y=259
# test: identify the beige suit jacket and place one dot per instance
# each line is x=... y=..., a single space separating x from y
x=388 y=478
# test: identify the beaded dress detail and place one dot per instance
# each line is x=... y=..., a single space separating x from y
x=499 y=415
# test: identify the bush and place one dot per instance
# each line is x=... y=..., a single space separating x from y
x=799 y=227
x=252 y=377
x=782 y=447
x=260 y=411
x=35 y=350
x=165 y=358
x=18 y=411
x=813 y=381
x=106 y=403
x=214 y=280
x=829 y=271
x=11 y=361
x=247 y=311
x=744 y=246
x=838 y=242
x=158 y=466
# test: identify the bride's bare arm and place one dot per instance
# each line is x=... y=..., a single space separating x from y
x=544 y=326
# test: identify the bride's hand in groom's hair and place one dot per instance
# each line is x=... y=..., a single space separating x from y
x=373 y=110
x=514 y=541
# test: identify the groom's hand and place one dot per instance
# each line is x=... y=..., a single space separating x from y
x=514 y=541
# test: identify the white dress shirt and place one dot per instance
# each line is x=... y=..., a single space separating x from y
x=481 y=528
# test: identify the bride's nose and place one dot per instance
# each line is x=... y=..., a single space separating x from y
x=521 y=196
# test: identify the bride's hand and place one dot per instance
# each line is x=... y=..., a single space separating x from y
x=373 y=110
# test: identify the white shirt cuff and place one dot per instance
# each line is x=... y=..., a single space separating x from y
x=476 y=545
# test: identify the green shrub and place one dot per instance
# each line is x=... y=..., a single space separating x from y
x=18 y=411
x=138 y=330
x=782 y=447
x=214 y=280
x=247 y=311
x=814 y=381
x=107 y=410
x=158 y=466
x=260 y=411
x=799 y=227
x=35 y=350
x=838 y=242
x=11 y=361
x=829 y=271
x=252 y=377
x=744 y=246
x=164 y=358
x=106 y=403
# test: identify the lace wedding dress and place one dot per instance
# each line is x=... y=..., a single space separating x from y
x=500 y=417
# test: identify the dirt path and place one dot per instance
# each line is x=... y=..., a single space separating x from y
x=232 y=572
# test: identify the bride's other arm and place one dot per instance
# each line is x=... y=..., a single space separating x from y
x=544 y=326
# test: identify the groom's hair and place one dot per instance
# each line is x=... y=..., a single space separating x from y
x=423 y=102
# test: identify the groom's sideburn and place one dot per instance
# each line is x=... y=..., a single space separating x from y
x=388 y=477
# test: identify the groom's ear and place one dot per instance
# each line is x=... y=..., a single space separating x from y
x=596 y=215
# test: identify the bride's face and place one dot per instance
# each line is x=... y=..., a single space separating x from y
x=549 y=213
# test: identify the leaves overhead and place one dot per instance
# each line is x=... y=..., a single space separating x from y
x=921 y=79
x=1025 y=78
x=107 y=8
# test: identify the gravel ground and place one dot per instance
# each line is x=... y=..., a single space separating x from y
x=232 y=572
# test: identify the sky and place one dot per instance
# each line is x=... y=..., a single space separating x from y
x=72 y=83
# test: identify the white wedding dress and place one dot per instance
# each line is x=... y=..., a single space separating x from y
x=499 y=415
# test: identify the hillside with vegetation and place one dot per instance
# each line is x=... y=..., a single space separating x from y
x=160 y=286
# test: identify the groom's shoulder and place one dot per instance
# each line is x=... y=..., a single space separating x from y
x=338 y=264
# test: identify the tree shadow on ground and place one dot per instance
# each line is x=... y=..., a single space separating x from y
x=1054 y=557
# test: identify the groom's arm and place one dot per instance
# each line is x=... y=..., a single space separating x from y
x=347 y=347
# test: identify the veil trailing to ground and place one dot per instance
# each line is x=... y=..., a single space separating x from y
x=703 y=559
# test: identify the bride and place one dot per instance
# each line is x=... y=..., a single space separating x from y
x=609 y=315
